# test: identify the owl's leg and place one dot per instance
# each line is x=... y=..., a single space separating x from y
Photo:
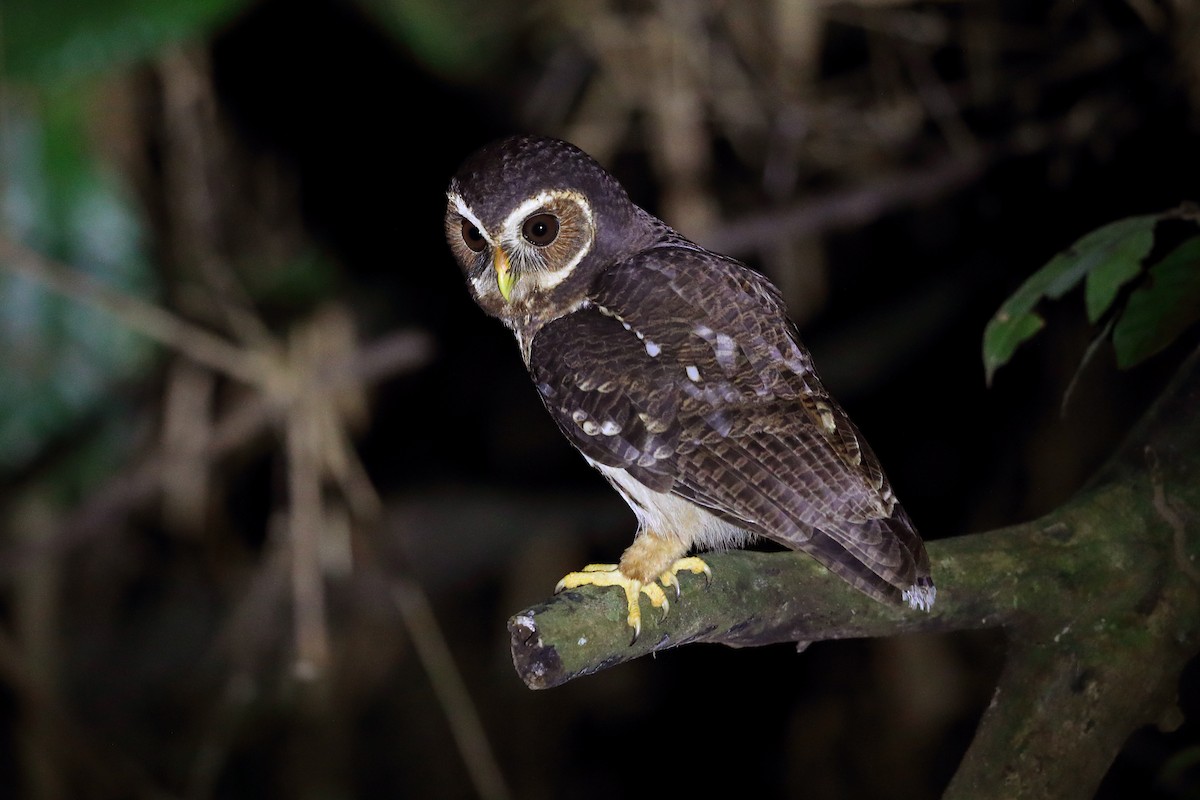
x=650 y=560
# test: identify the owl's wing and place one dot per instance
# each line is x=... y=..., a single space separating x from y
x=685 y=371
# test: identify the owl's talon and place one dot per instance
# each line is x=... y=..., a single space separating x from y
x=576 y=579
x=611 y=575
x=693 y=565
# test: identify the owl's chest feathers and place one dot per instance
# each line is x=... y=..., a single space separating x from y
x=670 y=516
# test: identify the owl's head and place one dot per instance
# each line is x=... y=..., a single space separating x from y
x=529 y=219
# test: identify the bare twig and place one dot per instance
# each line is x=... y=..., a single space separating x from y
x=306 y=515
x=394 y=354
x=187 y=420
x=1092 y=349
x=252 y=367
x=452 y=693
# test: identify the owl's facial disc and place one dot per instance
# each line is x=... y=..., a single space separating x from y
x=533 y=249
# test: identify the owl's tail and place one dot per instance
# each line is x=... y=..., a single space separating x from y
x=894 y=569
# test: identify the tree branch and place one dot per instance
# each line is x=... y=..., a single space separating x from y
x=1097 y=599
x=249 y=366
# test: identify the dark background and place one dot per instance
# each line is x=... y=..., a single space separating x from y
x=165 y=660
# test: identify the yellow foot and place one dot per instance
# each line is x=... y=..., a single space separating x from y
x=611 y=575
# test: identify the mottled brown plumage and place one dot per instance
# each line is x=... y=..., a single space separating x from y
x=677 y=373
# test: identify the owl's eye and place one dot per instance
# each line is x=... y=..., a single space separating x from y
x=472 y=237
x=540 y=229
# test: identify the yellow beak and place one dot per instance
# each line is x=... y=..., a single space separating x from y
x=504 y=274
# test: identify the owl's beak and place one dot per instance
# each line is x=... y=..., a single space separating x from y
x=504 y=274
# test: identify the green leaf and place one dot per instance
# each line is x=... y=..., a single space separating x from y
x=1104 y=250
x=1166 y=303
x=1108 y=257
x=1115 y=257
x=1015 y=321
x=1002 y=337
x=70 y=39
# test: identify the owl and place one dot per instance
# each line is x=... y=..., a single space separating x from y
x=678 y=374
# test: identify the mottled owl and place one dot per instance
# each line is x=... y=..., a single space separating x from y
x=678 y=374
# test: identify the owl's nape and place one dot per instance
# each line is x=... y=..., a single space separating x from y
x=676 y=372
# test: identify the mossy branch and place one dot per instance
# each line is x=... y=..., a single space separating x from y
x=1099 y=600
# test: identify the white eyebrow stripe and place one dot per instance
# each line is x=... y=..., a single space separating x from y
x=465 y=211
x=512 y=223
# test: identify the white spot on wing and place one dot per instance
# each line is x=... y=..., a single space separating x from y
x=724 y=346
x=826 y=415
x=797 y=360
x=726 y=352
x=652 y=349
x=610 y=428
x=692 y=373
x=889 y=499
